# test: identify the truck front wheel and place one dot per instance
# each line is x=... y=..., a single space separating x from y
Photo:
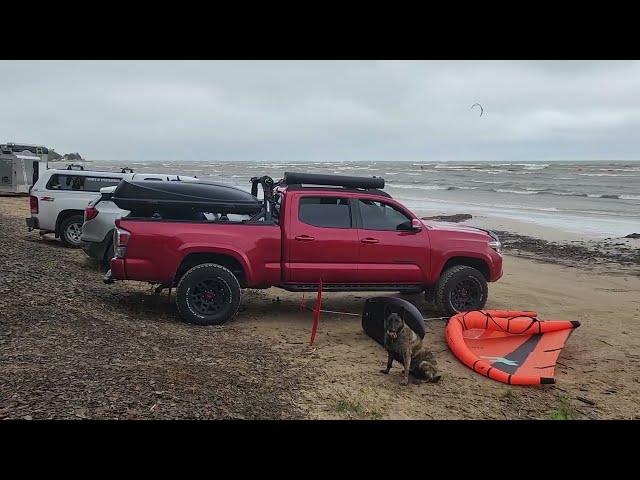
x=461 y=289
x=208 y=294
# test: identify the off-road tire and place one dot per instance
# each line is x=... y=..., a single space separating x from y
x=191 y=293
x=453 y=278
x=69 y=235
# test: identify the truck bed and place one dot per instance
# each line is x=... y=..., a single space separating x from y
x=157 y=248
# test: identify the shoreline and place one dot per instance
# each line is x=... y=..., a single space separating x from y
x=555 y=246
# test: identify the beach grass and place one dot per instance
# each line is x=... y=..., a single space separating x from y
x=564 y=411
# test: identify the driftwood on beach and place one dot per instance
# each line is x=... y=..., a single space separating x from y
x=456 y=218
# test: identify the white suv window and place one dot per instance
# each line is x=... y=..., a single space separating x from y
x=80 y=183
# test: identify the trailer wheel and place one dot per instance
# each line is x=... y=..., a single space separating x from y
x=208 y=294
x=461 y=289
x=71 y=230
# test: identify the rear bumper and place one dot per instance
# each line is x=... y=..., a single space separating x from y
x=117 y=270
x=32 y=223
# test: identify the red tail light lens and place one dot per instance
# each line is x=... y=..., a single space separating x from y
x=33 y=204
x=90 y=213
x=120 y=241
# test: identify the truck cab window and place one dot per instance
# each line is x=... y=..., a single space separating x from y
x=382 y=216
x=330 y=212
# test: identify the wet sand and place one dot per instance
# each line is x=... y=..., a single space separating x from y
x=76 y=348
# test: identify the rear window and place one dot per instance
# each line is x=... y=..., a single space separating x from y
x=331 y=212
x=80 y=183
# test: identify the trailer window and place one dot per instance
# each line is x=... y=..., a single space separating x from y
x=330 y=212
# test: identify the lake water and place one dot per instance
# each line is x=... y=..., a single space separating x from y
x=600 y=199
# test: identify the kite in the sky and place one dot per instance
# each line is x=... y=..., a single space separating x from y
x=478 y=105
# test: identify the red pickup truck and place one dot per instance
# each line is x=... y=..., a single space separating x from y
x=343 y=230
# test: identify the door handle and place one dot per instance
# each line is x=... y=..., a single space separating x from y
x=304 y=238
x=369 y=240
x=47 y=199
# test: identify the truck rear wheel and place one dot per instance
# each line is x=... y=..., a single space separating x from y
x=71 y=230
x=208 y=294
x=461 y=289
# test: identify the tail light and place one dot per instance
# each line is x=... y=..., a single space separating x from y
x=33 y=203
x=120 y=241
x=90 y=213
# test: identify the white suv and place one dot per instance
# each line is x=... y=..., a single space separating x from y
x=59 y=197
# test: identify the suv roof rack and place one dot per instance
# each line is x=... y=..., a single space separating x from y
x=74 y=166
x=367 y=183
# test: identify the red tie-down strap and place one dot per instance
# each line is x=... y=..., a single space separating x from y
x=316 y=314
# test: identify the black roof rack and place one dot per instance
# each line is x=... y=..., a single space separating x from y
x=368 y=183
x=74 y=166
x=373 y=191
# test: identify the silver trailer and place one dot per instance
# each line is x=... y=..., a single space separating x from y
x=20 y=166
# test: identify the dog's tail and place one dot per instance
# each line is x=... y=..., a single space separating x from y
x=426 y=371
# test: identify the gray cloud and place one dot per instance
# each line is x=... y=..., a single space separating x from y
x=324 y=110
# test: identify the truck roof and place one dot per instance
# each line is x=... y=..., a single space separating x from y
x=321 y=189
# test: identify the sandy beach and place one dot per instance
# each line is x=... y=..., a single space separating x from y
x=72 y=347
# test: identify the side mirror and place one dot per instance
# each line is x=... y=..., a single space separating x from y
x=416 y=225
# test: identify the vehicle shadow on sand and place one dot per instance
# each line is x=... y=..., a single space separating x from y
x=46 y=240
x=280 y=302
x=141 y=302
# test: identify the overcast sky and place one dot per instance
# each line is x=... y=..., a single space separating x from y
x=325 y=110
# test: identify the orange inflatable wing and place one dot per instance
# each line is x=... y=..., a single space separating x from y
x=509 y=346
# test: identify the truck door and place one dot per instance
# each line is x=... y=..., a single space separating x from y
x=390 y=251
x=321 y=240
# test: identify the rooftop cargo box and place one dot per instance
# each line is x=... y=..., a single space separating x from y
x=146 y=197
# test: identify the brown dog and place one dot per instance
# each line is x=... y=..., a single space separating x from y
x=404 y=346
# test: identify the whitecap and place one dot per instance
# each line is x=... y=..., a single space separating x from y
x=519 y=192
